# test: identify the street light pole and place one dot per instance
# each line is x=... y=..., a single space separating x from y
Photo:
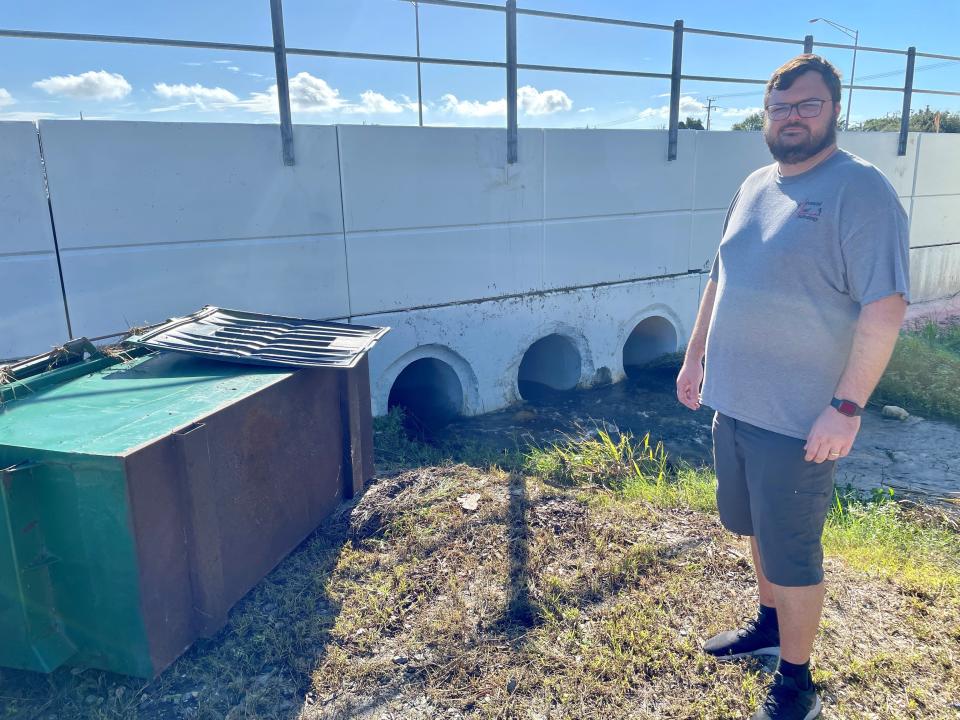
x=856 y=38
x=855 y=34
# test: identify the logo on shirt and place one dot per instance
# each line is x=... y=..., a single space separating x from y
x=809 y=210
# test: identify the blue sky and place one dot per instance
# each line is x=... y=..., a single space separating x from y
x=43 y=78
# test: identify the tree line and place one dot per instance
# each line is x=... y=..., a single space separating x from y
x=926 y=120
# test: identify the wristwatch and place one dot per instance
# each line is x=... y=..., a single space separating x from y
x=846 y=407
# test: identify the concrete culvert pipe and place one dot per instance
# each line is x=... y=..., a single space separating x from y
x=430 y=393
x=552 y=363
x=653 y=337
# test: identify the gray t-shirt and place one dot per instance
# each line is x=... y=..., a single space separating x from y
x=799 y=257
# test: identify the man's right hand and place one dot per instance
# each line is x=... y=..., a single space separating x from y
x=688 y=384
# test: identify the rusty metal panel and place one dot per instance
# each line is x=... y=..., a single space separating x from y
x=263 y=339
x=219 y=503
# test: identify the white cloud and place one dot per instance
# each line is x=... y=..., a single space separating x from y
x=473 y=108
x=223 y=62
x=692 y=107
x=233 y=68
x=193 y=64
x=91 y=85
x=688 y=106
x=372 y=103
x=534 y=102
x=307 y=94
x=206 y=98
x=412 y=105
x=312 y=94
x=6 y=98
x=255 y=74
x=586 y=109
x=529 y=100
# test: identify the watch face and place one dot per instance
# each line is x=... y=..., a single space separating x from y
x=847 y=408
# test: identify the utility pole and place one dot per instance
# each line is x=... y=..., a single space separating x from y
x=710 y=107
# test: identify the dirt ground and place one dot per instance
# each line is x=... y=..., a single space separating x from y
x=543 y=602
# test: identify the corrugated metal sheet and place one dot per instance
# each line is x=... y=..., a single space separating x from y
x=263 y=339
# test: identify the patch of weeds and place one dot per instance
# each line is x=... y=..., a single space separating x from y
x=923 y=375
x=601 y=460
x=875 y=536
x=396 y=450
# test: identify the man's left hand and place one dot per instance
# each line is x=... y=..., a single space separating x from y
x=831 y=436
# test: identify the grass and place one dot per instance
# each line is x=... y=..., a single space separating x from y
x=923 y=375
x=873 y=534
x=580 y=587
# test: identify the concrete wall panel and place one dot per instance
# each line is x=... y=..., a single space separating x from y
x=880 y=149
x=597 y=250
x=936 y=220
x=24 y=216
x=938 y=169
x=610 y=172
x=724 y=160
x=705 y=234
x=136 y=183
x=114 y=288
x=934 y=272
x=33 y=319
x=405 y=269
x=408 y=177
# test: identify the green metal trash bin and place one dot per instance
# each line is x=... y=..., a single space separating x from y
x=140 y=499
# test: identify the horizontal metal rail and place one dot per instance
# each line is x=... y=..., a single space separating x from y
x=667 y=28
x=511 y=66
x=346 y=55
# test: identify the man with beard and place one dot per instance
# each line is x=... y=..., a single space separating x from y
x=797 y=323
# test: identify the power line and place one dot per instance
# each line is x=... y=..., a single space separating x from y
x=931 y=66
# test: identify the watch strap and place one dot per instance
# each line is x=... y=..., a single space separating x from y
x=846 y=407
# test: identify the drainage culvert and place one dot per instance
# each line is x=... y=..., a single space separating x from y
x=430 y=393
x=551 y=364
x=652 y=338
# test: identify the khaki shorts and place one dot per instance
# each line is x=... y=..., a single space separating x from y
x=766 y=489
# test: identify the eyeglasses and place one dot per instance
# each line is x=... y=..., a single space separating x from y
x=805 y=109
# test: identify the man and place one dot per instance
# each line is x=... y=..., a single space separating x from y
x=806 y=296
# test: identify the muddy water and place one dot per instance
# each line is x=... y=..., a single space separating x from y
x=917 y=457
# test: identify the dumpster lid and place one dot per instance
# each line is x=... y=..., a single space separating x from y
x=259 y=339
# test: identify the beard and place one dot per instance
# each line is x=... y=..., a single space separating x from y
x=792 y=152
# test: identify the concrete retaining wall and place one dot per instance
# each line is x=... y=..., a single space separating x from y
x=427 y=230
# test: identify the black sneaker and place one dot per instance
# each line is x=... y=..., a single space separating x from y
x=751 y=639
x=786 y=701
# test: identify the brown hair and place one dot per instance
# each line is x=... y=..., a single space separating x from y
x=784 y=75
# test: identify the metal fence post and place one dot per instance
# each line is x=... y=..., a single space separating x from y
x=283 y=84
x=808 y=45
x=907 y=97
x=512 y=82
x=416 y=15
x=675 y=90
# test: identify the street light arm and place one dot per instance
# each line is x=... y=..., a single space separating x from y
x=842 y=28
